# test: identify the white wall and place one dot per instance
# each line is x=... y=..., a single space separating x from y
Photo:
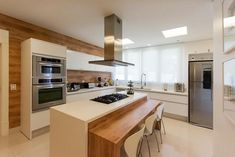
x=201 y=46
x=4 y=82
x=79 y=61
x=224 y=130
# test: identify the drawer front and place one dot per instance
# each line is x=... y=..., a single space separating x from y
x=169 y=98
x=177 y=109
x=40 y=119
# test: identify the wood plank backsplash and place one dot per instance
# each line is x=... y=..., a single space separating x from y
x=20 y=31
x=87 y=76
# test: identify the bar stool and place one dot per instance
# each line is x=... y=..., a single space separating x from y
x=132 y=144
x=150 y=124
x=159 y=120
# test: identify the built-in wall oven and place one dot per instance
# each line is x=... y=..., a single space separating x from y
x=49 y=82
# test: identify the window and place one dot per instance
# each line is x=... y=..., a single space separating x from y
x=171 y=59
x=161 y=64
x=133 y=56
x=120 y=73
x=150 y=64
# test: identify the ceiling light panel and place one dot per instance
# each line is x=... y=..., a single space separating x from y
x=127 y=41
x=175 y=32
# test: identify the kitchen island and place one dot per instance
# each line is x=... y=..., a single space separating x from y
x=88 y=128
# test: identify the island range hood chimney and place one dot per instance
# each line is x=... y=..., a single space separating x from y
x=112 y=43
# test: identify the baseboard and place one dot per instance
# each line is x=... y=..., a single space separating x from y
x=174 y=116
x=4 y=128
x=40 y=131
x=14 y=130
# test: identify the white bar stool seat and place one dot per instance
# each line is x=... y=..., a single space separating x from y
x=133 y=143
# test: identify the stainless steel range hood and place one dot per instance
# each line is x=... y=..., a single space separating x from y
x=112 y=43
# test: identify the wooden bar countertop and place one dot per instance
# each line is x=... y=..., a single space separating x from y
x=107 y=134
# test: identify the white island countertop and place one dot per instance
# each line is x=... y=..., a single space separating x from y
x=88 y=110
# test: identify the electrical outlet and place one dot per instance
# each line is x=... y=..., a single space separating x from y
x=12 y=87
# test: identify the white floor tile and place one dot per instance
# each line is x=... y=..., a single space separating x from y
x=182 y=140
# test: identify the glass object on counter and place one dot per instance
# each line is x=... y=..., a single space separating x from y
x=130 y=90
x=179 y=87
x=116 y=82
x=106 y=82
x=165 y=86
x=229 y=90
x=100 y=83
x=110 y=81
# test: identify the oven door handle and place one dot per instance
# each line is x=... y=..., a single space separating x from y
x=50 y=86
x=50 y=64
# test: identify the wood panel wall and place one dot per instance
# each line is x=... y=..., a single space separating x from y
x=20 y=31
x=87 y=76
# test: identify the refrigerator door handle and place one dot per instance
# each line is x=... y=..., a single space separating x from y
x=211 y=91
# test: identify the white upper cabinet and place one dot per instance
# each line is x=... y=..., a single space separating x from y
x=45 y=48
x=202 y=46
x=79 y=61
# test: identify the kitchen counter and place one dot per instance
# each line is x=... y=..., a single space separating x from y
x=107 y=134
x=90 y=90
x=154 y=90
x=125 y=87
x=69 y=123
x=88 y=110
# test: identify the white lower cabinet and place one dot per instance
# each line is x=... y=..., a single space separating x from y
x=170 y=97
x=176 y=108
x=40 y=119
x=176 y=105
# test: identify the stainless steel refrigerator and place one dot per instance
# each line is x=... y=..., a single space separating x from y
x=201 y=93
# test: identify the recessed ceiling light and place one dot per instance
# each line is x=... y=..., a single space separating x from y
x=148 y=44
x=229 y=22
x=175 y=32
x=127 y=41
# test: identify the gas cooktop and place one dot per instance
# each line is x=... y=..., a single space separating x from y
x=108 y=99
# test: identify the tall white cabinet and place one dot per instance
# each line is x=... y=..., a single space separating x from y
x=31 y=122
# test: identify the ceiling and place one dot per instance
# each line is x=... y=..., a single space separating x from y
x=143 y=20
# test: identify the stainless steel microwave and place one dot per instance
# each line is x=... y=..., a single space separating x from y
x=48 y=67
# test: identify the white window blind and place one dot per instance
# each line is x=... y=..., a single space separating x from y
x=161 y=64
x=151 y=64
x=171 y=60
x=133 y=72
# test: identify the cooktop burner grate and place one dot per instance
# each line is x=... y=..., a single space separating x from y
x=108 y=99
